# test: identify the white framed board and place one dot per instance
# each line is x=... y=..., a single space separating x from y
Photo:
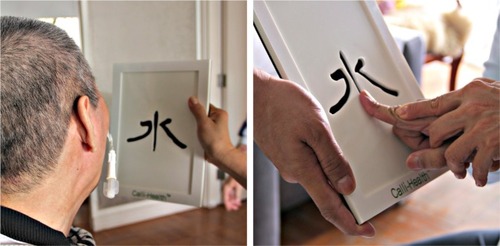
x=158 y=153
x=335 y=49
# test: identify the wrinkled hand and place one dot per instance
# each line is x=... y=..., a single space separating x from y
x=462 y=125
x=232 y=191
x=292 y=130
x=410 y=133
x=214 y=137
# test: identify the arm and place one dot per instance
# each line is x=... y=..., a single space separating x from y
x=232 y=190
x=291 y=128
x=214 y=138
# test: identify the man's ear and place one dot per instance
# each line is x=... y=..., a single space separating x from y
x=85 y=126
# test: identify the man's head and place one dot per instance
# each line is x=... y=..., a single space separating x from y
x=47 y=92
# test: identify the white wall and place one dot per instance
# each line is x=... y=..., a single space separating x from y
x=122 y=31
x=40 y=9
x=234 y=63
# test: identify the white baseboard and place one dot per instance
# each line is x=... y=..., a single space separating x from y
x=129 y=213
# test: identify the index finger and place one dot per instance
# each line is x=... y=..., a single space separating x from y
x=218 y=116
x=389 y=114
x=377 y=110
x=427 y=108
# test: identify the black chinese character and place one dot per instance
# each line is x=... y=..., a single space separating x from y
x=339 y=74
x=154 y=126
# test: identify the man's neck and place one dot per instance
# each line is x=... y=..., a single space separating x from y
x=54 y=208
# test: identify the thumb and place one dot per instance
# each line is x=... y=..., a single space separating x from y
x=334 y=165
x=197 y=109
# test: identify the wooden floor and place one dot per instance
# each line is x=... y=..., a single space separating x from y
x=201 y=226
x=445 y=205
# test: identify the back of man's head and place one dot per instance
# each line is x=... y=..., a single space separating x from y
x=43 y=73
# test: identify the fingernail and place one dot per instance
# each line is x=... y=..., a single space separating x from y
x=345 y=185
x=193 y=100
x=369 y=235
x=369 y=96
x=480 y=183
x=402 y=111
x=459 y=176
x=371 y=232
x=415 y=162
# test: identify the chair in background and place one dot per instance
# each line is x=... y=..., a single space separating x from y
x=454 y=63
x=444 y=33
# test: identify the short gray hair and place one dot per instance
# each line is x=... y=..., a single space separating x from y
x=43 y=73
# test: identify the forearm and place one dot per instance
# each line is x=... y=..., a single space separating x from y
x=233 y=162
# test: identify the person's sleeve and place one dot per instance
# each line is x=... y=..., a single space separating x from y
x=492 y=71
x=492 y=65
x=243 y=134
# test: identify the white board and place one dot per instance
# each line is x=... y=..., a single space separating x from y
x=158 y=153
x=334 y=49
